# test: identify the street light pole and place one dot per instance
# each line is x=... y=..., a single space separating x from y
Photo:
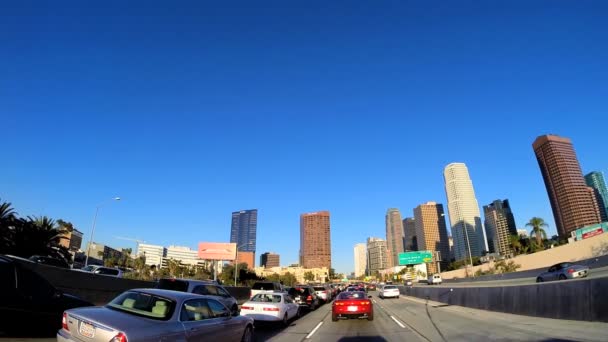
x=86 y=260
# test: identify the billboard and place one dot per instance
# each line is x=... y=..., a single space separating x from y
x=217 y=251
x=589 y=231
x=414 y=258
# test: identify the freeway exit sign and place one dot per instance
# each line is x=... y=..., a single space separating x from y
x=414 y=258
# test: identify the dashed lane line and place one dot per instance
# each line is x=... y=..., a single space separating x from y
x=314 y=330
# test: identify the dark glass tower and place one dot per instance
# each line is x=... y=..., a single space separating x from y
x=243 y=229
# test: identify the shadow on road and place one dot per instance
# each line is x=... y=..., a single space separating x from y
x=362 y=339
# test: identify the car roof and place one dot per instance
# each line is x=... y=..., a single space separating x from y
x=175 y=295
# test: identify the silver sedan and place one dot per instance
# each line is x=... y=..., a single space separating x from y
x=155 y=315
x=563 y=271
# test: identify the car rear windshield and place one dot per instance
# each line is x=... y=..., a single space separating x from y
x=352 y=295
x=173 y=284
x=266 y=298
x=390 y=287
x=143 y=304
x=320 y=288
x=263 y=286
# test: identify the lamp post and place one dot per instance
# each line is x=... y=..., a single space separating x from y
x=236 y=260
x=86 y=260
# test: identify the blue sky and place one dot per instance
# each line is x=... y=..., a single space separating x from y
x=192 y=111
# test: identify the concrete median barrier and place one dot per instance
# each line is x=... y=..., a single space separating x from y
x=584 y=300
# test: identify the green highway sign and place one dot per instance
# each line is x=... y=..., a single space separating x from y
x=414 y=258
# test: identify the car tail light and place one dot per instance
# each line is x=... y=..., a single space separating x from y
x=271 y=309
x=121 y=337
x=64 y=322
x=338 y=303
x=246 y=307
x=309 y=298
x=367 y=302
x=571 y=270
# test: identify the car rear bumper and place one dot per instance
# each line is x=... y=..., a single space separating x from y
x=262 y=317
x=63 y=336
x=390 y=294
x=350 y=314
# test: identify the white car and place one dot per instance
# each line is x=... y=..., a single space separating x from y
x=435 y=279
x=389 y=291
x=271 y=307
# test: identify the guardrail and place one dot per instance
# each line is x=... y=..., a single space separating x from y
x=583 y=300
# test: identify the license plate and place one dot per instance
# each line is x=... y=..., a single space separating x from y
x=86 y=330
x=352 y=308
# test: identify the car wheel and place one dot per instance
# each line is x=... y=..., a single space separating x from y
x=285 y=320
x=562 y=277
x=334 y=318
x=539 y=280
x=247 y=335
x=298 y=313
x=370 y=317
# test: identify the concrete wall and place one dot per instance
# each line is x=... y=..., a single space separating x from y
x=584 y=300
x=580 y=250
x=99 y=289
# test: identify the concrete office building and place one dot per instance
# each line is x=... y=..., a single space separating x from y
x=467 y=230
x=573 y=203
x=185 y=255
x=377 y=255
x=269 y=260
x=243 y=229
x=360 y=259
x=432 y=234
x=394 y=235
x=152 y=253
x=596 y=181
x=500 y=226
x=72 y=240
x=409 y=235
x=315 y=240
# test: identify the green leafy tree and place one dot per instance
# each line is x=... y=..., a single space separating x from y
x=537 y=231
x=7 y=227
x=515 y=244
x=309 y=276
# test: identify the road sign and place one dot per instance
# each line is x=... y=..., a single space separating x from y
x=415 y=258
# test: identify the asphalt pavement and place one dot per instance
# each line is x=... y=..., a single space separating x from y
x=412 y=319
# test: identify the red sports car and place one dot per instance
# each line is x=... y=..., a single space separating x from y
x=352 y=304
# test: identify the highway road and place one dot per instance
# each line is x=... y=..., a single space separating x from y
x=593 y=273
x=411 y=319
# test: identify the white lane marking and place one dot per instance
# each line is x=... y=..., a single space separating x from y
x=398 y=323
x=314 y=330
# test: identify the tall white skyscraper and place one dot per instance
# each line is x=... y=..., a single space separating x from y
x=465 y=219
x=360 y=259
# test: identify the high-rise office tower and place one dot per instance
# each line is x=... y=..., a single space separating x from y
x=409 y=235
x=432 y=233
x=596 y=180
x=360 y=259
x=394 y=235
x=244 y=229
x=573 y=203
x=467 y=230
x=269 y=260
x=377 y=255
x=500 y=226
x=315 y=242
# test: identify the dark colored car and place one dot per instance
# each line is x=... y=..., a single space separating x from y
x=305 y=296
x=50 y=261
x=29 y=304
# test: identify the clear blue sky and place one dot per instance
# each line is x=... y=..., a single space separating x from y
x=191 y=112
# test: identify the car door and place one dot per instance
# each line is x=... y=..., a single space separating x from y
x=199 y=322
x=551 y=273
x=232 y=327
x=290 y=306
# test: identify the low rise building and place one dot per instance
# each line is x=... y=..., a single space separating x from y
x=321 y=274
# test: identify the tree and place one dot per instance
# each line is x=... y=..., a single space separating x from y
x=537 y=231
x=7 y=223
x=309 y=276
x=515 y=244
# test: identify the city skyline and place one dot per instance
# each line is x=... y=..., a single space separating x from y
x=118 y=105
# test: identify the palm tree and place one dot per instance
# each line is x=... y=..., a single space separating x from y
x=39 y=236
x=537 y=225
x=7 y=223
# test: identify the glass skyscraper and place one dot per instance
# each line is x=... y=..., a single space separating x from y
x=596 y=180
x=244 y=228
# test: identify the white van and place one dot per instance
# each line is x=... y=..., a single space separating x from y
x=434 y=279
